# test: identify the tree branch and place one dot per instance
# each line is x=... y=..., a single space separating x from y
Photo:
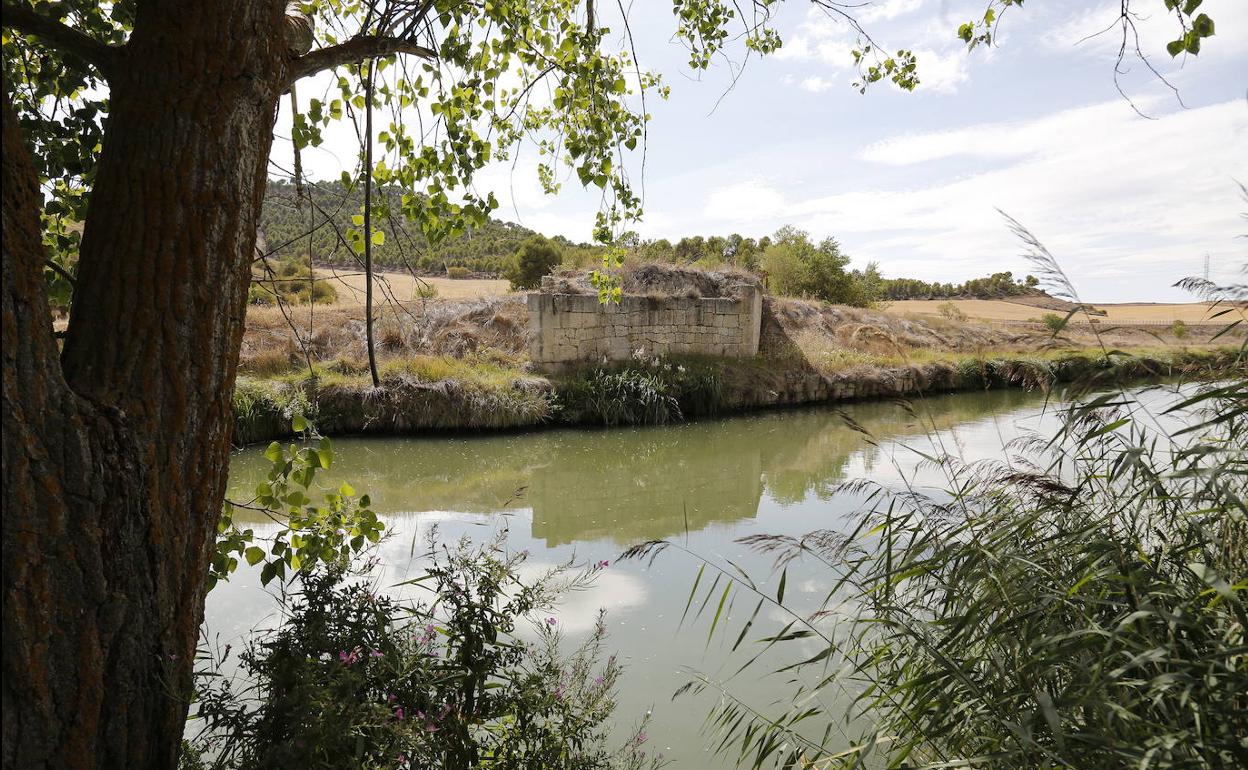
x=24 y=20
x=355 y=49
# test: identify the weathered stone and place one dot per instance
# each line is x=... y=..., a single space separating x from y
x=566 y=328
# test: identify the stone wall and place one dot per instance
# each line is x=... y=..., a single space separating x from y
x=569 y=328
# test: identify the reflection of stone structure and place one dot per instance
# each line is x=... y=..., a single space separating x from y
x=630 y=496
x=628 y=485
x=567 y=328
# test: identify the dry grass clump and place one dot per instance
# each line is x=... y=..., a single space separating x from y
x=495 y=328
x=660 y=279
x=795 y=326
x=473 y=326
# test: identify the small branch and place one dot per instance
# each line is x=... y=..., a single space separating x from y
x=25 y=21
x=355 y=49
x=62 y=272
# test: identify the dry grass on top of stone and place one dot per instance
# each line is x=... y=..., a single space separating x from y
x=657 y=279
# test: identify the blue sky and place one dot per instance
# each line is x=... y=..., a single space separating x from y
x=1033 y=126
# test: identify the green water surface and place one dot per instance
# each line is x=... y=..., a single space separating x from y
x=588 y=494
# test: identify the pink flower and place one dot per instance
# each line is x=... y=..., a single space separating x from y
x=350 y=658
x=602 y=564
x=551 y=621
x=399 y=713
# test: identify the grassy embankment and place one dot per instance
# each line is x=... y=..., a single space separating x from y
x=463 y=364
x=426 y=393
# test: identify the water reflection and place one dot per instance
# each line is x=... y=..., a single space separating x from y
x=585 y=495
x=629 y=485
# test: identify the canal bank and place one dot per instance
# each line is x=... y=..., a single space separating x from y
x=432 y=396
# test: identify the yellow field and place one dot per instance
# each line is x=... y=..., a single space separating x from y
x=402 y=286
x=999 y=310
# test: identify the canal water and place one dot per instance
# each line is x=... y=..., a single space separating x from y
x=586 y=495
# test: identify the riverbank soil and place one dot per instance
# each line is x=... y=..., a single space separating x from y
x=454 y=365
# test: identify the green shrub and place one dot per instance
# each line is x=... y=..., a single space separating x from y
x=458 y=272
x=291 y=281
x=261 y=295
x=1053 y=322
x=950 y=311
x=356 y=679
x=535 y=258
x=646 y=391
x=1178 y=329
x=796 y=267
x=424 y=290
x=263 y=409
x=628 y=396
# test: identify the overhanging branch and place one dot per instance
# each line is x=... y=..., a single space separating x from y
x=355 y=49
x=24 y=20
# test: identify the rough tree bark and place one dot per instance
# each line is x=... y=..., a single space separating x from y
x=115 y=452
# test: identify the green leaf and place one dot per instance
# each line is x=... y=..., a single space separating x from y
x=254 y=555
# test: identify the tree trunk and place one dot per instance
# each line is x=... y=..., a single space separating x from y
x=115 y=452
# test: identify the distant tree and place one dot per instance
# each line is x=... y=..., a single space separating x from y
x=690 y=248
x=714 y=251
x=826 y=277
x=656 y=251
x=796 y=267
x=784 y=262
x=869 y=283
x=535 y=258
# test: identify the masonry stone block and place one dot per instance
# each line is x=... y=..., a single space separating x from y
x=566 y=328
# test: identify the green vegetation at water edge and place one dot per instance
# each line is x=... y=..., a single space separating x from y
x=441 y=393
x=356 y=678
x=1082 y=603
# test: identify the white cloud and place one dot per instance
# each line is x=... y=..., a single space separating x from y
x=815 y=84
x=745 y=201
x=828 y=40
x=888 y=9
x=1098 y=33
x=942 y=72
x=819 y=38
x=996 y=141
x=1109 y=193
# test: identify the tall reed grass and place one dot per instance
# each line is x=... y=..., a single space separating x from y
x=1082 y=603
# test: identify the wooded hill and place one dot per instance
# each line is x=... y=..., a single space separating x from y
x=318 y=226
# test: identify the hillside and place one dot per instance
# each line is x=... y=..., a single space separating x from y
x=286 y=227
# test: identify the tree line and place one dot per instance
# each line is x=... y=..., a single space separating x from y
x=319 y=222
